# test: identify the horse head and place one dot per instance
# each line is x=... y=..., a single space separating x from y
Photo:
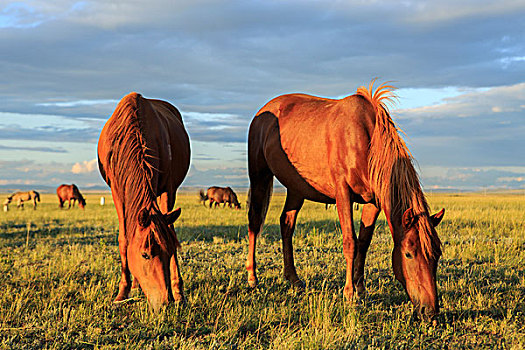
x=235 y=200
x=81 y=202
x=236 y=203
x=152 y=255
x=415 y=263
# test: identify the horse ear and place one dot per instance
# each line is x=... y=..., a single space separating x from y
x=436 y=218
x=144 y=217
x=408 y=219
x=172 y=216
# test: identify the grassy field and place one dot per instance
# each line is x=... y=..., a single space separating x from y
x=59 y=272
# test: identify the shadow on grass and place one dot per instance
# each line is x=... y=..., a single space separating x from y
x=56 y=234
x=271 y=232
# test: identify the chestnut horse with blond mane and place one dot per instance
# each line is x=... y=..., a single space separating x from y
x=344 y=151
x=144 y=155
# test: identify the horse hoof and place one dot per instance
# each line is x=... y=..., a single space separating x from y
x=361 y=292
x=298 y=283
x=252 y=282
x=348 y=294
x=179 y=299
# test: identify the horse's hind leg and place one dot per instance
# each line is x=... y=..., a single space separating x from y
x=261 y=185
x=366 y=230
x=288 y=219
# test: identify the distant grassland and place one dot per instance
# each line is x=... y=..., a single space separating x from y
x=59 y=271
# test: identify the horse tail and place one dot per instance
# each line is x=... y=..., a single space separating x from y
x=264 y=201
x=204 y=197
x=37 y=196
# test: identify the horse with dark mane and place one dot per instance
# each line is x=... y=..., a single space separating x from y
x=144 y=155
x=217 y=195
x=70 y=193
x=21 y=197
x=344 y=151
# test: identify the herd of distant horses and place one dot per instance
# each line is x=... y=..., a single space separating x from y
x=344 y=151
x=65 y=193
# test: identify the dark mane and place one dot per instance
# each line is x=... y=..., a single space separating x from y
x=76 y=193
x=132 y=168
x=391 y=170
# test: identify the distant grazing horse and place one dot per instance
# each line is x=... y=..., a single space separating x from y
x=21 y=197
x=70 y=193
x=344 y=151
x=144 y=155
x=219 y=195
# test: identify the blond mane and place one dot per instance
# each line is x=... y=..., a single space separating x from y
x=391 y=170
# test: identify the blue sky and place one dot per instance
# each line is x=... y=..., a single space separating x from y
x=64 y=65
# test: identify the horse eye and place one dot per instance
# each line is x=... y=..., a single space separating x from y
x=408 y=255
x=146 y=256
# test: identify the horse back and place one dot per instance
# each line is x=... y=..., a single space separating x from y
x=158 y=126
x=325 y=140
x=177 y=142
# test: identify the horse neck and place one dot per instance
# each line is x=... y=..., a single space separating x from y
x=402 y=198
x=136 y=166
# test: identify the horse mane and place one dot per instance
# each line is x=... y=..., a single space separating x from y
x=76 y=193
x=392 y=174
x=130 y=161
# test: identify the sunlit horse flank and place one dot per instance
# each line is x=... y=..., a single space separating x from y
x=20 y=197
x=70 y=193
x=344 y=151
x=144 y=155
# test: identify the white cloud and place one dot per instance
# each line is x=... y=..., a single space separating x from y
x=219 y=61
x=84 y=167
x=473 y=178
x=511 y=179
x=440 y=11
x=78 y=103
x=473 y=103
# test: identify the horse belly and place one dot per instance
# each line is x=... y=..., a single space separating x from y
x=287 y=173
x=306 y=147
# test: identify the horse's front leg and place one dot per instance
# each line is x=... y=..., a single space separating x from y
x=366 y=230
x=124 y=286
x=345 y=212
x=288 y=219
x=166 y=203
x=125 y=276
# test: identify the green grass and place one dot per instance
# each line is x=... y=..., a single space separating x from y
x=59 y=272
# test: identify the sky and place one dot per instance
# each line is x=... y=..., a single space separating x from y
x=459 y=67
